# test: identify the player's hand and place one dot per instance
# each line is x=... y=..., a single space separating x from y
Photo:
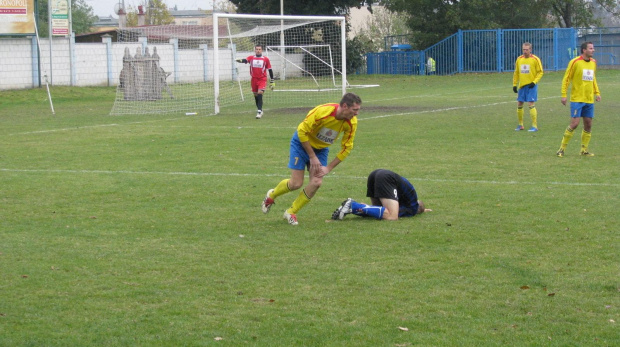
x=323 y=171
x=272 y=85
x=315 y=167
x=531 y=85
x=563 y=101
x=239 y=61
x=514 y=89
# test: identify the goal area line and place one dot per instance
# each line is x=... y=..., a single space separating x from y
x=326 y=89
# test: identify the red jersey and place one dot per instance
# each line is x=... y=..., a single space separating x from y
x=259 y=66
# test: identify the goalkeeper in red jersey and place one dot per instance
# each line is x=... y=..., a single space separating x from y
x=259 y=65
x=310 y=148
x=581 y=74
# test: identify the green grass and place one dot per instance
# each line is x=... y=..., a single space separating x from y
x=147 y=230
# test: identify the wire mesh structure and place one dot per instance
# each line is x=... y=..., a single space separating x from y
x=307 y=54
x=193 y=68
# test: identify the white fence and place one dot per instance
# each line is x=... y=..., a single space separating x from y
x=23 y=66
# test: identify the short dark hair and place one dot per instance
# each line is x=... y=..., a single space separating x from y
x=350 y=99
x=421 y=207
x=584 y=46
x=258 y=45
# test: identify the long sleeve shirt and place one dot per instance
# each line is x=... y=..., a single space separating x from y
x=581 y=74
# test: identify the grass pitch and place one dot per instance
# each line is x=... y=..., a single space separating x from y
x=147 y=230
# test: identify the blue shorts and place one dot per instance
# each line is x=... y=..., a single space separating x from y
x=581 y=109
x=527 y=94
x=299 y=159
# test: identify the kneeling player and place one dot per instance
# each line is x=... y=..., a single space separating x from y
x=391 y=197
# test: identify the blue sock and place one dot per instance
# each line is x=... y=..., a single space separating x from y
x=367 y=210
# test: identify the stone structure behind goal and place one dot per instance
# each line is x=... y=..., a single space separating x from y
x=142 y=78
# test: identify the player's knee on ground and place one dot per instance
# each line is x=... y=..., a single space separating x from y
x=390 y=215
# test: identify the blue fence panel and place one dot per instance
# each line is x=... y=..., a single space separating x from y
x=448 y=47
x=480 y=51
x=606 y=44
x=544 y=45
x=395 y=63
x=474 y=51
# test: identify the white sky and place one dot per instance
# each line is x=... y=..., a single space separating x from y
x=105 y=8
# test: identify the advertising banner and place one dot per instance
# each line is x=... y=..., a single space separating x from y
x=60 y=17
x=17 y=17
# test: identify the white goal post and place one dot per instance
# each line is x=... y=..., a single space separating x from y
x=301 y=50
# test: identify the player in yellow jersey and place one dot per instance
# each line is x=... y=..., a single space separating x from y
x=528 y=72
x=581 y=74
x=310 y=148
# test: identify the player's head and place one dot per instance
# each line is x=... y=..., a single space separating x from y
x=527 y=49
x=350 y=99
x=258 y=50
x=587 y=49
x=350 y=105
x=421 y=208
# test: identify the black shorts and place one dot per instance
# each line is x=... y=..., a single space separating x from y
x=382 y=184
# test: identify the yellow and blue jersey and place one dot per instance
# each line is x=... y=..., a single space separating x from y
x=322 y=129
x=582 y=75
x=527 y=70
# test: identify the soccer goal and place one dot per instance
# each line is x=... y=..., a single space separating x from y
x=192 y=69
x=307 y=54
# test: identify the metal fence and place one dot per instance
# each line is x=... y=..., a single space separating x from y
x=472 y=51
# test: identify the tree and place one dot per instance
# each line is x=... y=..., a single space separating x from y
x=81 y=15
x=580 y=13
x=432 y=20
x=381 y=23
x=157 y=13
x=300 y=7
x=224 y=6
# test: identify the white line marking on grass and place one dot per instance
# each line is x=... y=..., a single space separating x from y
x=233 y=174
x=100 y=126
x=444 y=109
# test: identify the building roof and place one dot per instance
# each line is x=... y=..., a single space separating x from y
x=188 y=13
x=106 y=21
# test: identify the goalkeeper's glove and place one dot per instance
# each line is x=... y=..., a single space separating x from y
x=531 y=85
x=514 y=89
x=272 y=85
x=239 y=61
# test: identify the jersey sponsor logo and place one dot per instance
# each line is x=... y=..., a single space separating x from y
x=588 y=75
x=327 y=135
x=525 y=68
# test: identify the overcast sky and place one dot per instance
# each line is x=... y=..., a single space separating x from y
x=104 y=8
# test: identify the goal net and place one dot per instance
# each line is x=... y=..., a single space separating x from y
x=193 y=69
x=307 y=56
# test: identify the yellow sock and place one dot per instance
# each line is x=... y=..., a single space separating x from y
x=568 y=134
x=534 y=116
x=301 y=200
x=520 y=115
x=281 y=189
x=585 y=140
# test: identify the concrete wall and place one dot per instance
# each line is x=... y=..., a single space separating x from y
x=100 y=64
